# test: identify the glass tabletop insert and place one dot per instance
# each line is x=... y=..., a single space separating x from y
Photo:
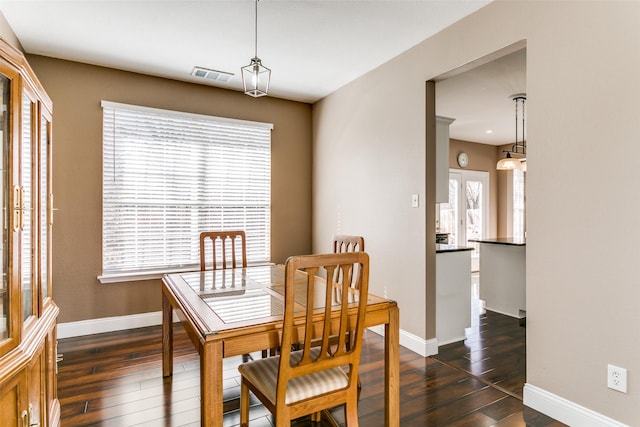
x=242 y=294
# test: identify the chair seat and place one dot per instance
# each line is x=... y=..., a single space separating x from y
x=263 y=374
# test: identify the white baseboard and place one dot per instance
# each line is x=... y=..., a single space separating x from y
x=431 y=347
x=413 y=342
x=110 y=324
x=564 y=410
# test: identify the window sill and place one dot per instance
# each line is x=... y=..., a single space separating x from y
x=137 y=276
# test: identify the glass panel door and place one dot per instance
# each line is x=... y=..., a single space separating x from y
x=475 y=216
x=5 y=135
x=449 y=212
x=465 y=216
x=26 y=240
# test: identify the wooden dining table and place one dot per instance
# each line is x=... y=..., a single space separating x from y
x=238 y=311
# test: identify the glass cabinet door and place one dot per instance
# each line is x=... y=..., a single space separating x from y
x=46 y=210
x=5 y=213
x=26 y=220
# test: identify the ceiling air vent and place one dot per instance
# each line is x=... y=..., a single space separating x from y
x=205 y=73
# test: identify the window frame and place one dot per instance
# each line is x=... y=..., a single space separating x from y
x=144 y=272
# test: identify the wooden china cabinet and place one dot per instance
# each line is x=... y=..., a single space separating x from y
x=28 y=389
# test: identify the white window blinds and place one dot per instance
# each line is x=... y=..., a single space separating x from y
x=167 y=176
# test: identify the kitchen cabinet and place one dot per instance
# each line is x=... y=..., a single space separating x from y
x=442 y=158
x=503 y=282
x=453 y=293
x=28 y=389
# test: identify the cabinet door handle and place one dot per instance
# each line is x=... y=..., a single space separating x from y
x=17 y=205
x=52 y=209
x=22 y=208
x=17 y=202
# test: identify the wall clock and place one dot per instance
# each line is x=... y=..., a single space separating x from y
x=463 y=160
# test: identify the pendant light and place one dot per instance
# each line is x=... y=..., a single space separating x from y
x=510 y=163
x=255 y=76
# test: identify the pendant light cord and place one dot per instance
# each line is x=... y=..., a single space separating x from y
x=524 y=147
x=256 y=33
x=516 y=147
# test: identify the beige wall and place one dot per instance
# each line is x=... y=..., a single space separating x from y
x=76 y=90
x=582 y=293
x=7 y=34
x=482 y=157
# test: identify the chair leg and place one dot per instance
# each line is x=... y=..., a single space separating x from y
x=351 y=413
x=244 y=405
x=316 y=417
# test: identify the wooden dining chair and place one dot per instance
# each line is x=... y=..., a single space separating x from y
x=318 y=377
x=350 y=243
x=347 y=243
x=226 y=239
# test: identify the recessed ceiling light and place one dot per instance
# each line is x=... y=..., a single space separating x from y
x=489 y=131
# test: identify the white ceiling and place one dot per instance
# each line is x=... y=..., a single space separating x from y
x=312 y=47
x=481 y=100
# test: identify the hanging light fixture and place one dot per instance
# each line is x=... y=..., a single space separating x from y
x=510 y=163
x=255 y=76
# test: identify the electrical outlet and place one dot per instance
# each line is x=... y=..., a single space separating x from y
x=617 y=378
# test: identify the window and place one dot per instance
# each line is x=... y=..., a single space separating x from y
x=167 y=176
x=518 y=204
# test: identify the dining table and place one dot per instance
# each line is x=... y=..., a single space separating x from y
x=231 y=312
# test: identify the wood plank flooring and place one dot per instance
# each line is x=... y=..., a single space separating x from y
x=115 y=379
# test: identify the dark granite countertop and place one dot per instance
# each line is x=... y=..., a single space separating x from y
x=441 y=248
x=502 y=241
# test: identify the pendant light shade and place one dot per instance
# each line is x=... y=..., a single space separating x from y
x=510 y=163
x=255 y=76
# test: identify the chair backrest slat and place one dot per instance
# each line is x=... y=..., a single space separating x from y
x=224 y=237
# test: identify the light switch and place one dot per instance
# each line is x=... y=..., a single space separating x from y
x=414 y=201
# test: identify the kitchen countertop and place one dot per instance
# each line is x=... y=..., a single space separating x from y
x=502 y=241
x=441 y=248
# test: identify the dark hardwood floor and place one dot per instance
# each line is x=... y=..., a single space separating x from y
x=115 y=379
